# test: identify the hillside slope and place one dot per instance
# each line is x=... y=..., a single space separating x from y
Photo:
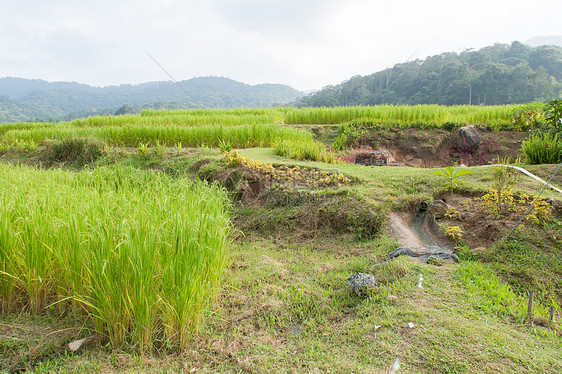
x=495 y=75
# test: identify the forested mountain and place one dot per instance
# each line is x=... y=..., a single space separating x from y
x=500 y=74
x=24 y=100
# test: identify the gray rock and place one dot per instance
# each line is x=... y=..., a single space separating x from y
x=438 y=208
x=361 y=283
x=468 y=138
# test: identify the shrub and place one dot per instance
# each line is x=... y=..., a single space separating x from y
x=348 y=133
x=528 y=116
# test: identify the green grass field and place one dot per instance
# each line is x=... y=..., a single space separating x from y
x=178 y=255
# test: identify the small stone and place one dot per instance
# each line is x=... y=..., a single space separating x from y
x=361 y=283
x=81 y=344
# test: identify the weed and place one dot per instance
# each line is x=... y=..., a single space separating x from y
x=225 y=146
x=142 y=149
x=455 y=233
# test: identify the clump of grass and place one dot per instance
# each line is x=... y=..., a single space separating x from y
x=303 y=150
x=78 y=151
x=543 y=149
x=140 y=253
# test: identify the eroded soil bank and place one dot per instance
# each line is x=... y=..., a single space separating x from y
x=438 y=148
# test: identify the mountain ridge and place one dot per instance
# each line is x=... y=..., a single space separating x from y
x=24 y=100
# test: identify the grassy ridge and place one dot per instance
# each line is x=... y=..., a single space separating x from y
x=140 y=253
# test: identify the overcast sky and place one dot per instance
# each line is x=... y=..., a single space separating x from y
x=306 y=44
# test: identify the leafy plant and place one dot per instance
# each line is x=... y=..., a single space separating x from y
x=142 y=149
x=452 y=175
x=225 y=146
x=455 y=233
x=452 y=213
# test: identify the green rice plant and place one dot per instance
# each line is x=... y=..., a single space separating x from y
x=137 y=253
x=303 y=150
x=543 y=149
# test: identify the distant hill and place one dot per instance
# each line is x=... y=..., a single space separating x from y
x=499 y=74
x=25 y=99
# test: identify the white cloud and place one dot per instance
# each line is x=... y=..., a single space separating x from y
x=306 y=44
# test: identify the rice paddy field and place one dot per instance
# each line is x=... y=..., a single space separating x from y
x=199 y=241
x=246 y=127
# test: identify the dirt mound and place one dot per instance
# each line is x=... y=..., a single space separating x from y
x=247 y=185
